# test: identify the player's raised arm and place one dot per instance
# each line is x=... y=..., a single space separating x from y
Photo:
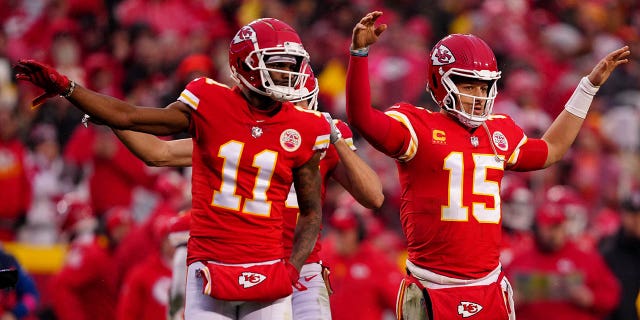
x=565 y=127
x=156 y=152
x=307 y=181
x=114 y=112
x=384 y=133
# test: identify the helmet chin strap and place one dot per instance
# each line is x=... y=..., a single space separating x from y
x=493 y=147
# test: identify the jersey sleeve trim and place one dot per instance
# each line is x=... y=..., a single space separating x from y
x=412 y=148
x=190 y=99
x=349 y=142
x=322 y=142
x=516 y=152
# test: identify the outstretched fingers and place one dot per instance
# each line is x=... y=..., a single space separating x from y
x=366 y=32
x=620 y=56
x=605 y=67
x=370 y=18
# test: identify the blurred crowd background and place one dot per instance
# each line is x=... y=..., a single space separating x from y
x=55 y=173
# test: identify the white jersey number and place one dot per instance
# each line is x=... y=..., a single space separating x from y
x=455 y=211
x=227 y=198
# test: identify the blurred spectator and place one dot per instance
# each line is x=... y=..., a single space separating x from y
x=118 y=223
x=174 y=192
x=518 y=211
x=594 y=169
x=84 y=288
x=15 y=183
x=104 y=74
x=109 y=166
x=622 y=253
x=575 y=211
x=21 y=300
x=191 y=67
x=364 y=281
x=48 y=183
x=555 y=279
x=178 y=236
x=145 y=291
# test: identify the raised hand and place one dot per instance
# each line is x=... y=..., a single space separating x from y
x=603 y=69
x=366 y=33
x=44 y=77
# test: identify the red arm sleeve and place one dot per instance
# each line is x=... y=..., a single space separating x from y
x=382 y=132
x=533 y=155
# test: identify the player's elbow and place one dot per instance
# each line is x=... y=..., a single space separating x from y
x=377 y=201
x=155 y=162
x=159 y=158
x=372 y=201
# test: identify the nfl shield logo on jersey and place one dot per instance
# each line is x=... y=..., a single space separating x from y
x=250 y=279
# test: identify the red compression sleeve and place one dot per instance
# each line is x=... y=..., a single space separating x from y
x=382 y=132
x=533 y=155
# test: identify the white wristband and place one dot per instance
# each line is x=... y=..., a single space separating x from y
x=581 y=98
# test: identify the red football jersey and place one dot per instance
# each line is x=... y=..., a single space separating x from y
x=242 y=171
x=328 y=163
x=450 y=179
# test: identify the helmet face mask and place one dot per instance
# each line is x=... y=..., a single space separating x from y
x=463 y=57
x=310 y=91
x=251 y=49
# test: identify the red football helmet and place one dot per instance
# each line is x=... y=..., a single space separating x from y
x=253 y=47
x=310 y=91
x=462 y=55
x=517 y=207
x=75 y=214
x=572 y=204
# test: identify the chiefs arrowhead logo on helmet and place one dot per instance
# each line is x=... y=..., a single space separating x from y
x=246 y=33
x=442 y=55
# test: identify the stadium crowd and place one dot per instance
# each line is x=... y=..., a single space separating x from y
x=63 y=182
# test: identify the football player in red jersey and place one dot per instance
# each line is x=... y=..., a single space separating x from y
x=450 y=166
x=249 y=145
x=340 y=162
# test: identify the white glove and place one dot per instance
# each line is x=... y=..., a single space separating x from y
x=335 y=132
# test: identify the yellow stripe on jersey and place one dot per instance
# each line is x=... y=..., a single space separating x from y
x=207 y=288
x=349 y=142
x=322 y=142
x=496 y=116
x=189 y=98
x=516 y=152
x=413 y=144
